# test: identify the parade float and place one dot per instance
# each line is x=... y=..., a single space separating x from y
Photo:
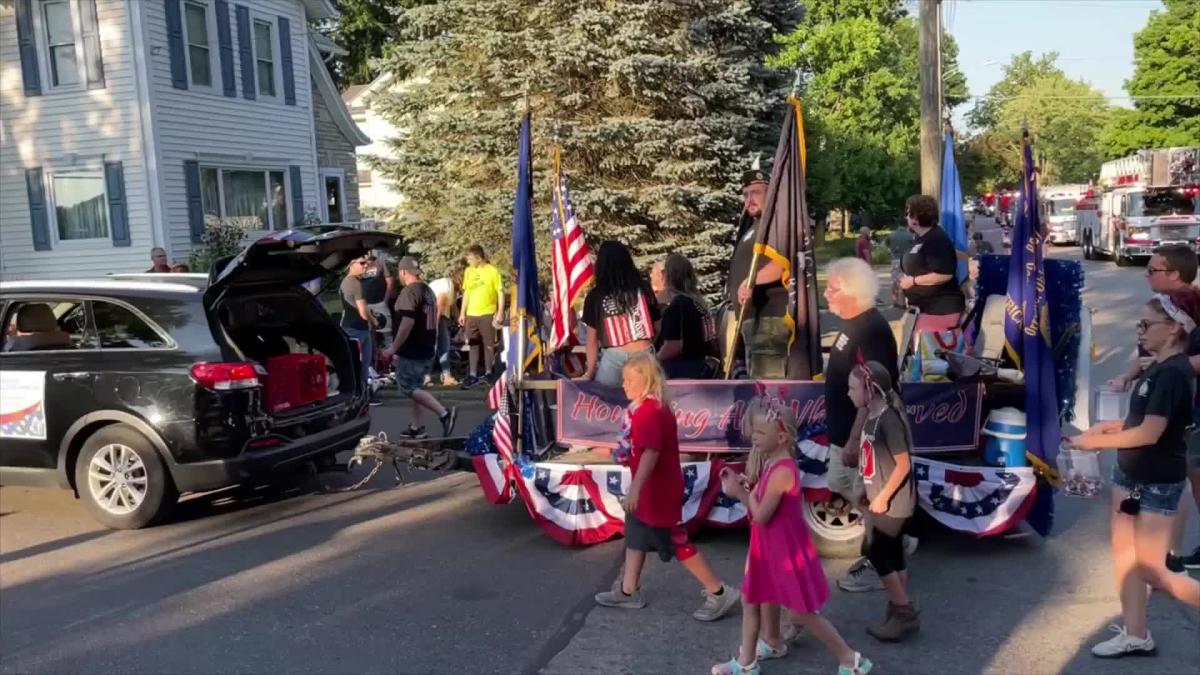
x=978 y=472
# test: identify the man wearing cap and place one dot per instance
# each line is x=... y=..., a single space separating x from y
x=415 y=346
x=763 y=332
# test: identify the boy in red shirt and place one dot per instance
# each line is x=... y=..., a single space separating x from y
x=654 y=505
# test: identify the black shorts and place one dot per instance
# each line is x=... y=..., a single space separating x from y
x=667 y=542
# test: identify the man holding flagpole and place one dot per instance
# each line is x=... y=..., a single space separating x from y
x=766 y=296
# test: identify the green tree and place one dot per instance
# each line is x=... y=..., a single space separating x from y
x=658 y=106
x=1023 y=71
x=1166 y=56
x=365 y=30
x=858 y=64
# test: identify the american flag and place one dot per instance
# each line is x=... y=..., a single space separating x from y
x=571 y=265
x=502 y=421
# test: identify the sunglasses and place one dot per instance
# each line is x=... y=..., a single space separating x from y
x=1144 y=324
x=1150 y=271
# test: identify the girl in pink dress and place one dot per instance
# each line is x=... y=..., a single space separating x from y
x=782 y=567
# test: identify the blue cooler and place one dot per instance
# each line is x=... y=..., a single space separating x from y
x=1005 y=429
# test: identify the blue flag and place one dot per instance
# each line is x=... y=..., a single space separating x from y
x=527 y=300
x=1027 y=323
x=952 y=218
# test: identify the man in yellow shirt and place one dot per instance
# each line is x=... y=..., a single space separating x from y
x=482 y=311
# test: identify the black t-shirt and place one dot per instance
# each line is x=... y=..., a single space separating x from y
x=685 y=320
x=417 y=302
x=766 y=299
x=870 y=333
x=374 y=283
x=619 y=325
x=934 y=252
x=1166 y=390
x=1193 y=349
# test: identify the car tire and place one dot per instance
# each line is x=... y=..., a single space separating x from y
x=140 y=495
x=835 y=535
x=1088 y=252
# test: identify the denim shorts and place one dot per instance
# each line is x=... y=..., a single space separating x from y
x=1160 y=498
x=410 y=374
x=612 y=362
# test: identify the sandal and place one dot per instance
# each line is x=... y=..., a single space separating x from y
x=862 y=666
x=765 y=652
x=791 y=632
x=732 y=667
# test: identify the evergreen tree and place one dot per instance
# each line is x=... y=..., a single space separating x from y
x=1166 y=56
x=658 y=105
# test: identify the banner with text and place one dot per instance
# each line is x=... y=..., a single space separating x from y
x=945 y=416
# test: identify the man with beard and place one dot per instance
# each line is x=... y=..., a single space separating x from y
x=763 y=334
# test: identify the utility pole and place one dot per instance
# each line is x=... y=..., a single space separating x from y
x=931 y=86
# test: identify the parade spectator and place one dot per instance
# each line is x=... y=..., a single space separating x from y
x=1151 y=469
x=658 y=284
x=414 y=347
x=850 y=295
x=980 y=246
x=159 y=264
x=899 y=241
x=446 y=289
x=357 y=319
x=619 y=313
x=782 y=566
x=1173 y=268
x=180 y=268
x=862 y=247
x=653 y=506
x=689 y=335
x=377 y=285
x=929 y=268
x=764 y=332
x=481 y=314
x=885 y=464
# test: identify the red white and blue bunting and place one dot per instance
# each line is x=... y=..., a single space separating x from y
x=979 y=500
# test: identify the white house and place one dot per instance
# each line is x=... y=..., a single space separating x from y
x=375 y=191
x=128 y=125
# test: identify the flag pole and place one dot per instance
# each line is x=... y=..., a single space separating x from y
x=519 y=376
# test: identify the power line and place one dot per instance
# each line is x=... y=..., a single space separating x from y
x=1156 y=97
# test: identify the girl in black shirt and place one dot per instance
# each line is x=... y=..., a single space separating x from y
x=1149 y=478
x=619 y=313
x=689 y=334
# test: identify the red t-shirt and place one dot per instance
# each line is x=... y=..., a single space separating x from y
x=863 y=249
x=653 y=426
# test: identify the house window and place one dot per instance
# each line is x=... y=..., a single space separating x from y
x=254 y=199
x=60 y=43
x=364 y=178
x=199 y=55
x=335 y=195
x=264 y=57
x=80 y=205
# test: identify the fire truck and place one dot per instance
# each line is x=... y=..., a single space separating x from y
x=1147 y=199
x=1057 y=206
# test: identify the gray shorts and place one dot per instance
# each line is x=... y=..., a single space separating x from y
x=410 y=374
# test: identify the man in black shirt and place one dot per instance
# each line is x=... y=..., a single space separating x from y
x=763 y=333
x=850 y=293
x=414 y=347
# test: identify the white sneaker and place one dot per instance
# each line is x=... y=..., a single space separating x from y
x=910 y=545
x=1123 y=645
x=861 y=578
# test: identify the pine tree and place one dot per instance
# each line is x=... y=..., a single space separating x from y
x=658 y=105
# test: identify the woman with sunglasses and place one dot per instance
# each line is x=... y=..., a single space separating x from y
x=1151 y=469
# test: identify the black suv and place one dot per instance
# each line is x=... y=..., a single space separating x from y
x=132 y=389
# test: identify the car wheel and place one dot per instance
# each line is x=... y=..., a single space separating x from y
x=122 y=480
x=836 y=532
x=1088 y=253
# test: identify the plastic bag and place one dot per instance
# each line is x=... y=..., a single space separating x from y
x=1079 y=471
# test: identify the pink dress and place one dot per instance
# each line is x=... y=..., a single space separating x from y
x=783 y=567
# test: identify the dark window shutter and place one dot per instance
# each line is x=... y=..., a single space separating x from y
x=195 y=209
x=31 y=74
x=245 y=53
x=285 y=53
x=118 y=208
x=297 y=195
x=93 y=59
x=225 y=47
x=37 y=209
x=179 y=76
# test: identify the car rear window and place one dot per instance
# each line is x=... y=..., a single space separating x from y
x=53 y=324
x=121 y=328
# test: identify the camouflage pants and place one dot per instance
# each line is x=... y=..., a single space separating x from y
x=766 y=344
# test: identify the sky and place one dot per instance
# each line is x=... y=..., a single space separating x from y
x=1094 y=39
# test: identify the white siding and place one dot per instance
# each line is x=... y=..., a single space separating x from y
x=380 y=194
x=203 y=124
x=61 y=129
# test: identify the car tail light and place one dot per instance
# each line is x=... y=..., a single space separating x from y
x=1142 y=239
x=225 y=376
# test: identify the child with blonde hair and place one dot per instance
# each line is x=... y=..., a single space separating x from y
x=782 y=566
x=654 y=505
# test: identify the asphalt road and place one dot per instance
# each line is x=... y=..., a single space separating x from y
x=429 y=578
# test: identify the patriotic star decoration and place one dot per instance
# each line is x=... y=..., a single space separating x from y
x=543 y=474
x=614 y=480
x=690 y=473
x=922 y=472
